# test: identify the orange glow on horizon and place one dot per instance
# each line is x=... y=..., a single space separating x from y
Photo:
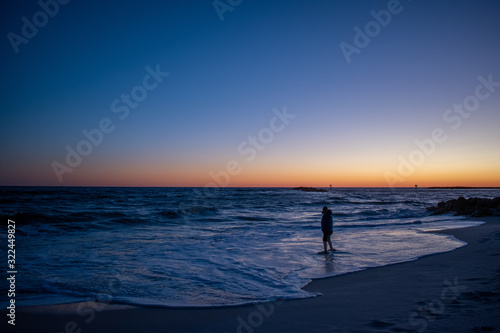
x=309 y=173
x=159 y=177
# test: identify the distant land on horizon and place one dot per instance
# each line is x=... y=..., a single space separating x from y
x=463 y=187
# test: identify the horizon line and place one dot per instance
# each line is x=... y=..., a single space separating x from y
x=219 y=187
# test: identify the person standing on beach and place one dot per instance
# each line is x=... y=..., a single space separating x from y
x=327 y=227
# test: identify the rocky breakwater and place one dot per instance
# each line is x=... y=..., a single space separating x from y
x=475 y=207
x=309 y=189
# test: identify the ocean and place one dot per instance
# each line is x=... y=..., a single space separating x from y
x=199 y=247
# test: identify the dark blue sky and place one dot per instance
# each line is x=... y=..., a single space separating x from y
x=353 y=120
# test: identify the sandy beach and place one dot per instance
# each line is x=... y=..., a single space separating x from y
x=457 y=291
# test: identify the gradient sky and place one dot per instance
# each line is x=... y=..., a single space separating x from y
x=355 y=122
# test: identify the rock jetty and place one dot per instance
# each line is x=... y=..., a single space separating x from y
x=309 y=189
x=475 y=207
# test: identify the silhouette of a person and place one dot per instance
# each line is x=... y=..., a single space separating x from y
x=327 y=228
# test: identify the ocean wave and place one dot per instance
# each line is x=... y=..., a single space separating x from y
x=198 y=210
x=86 y=291
x=171 y=213
x=252 y=218
x=377 y=225
x=341 y=214
x=28 y=217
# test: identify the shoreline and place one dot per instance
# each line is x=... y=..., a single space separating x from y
x=68 y=304
x=455 y=291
